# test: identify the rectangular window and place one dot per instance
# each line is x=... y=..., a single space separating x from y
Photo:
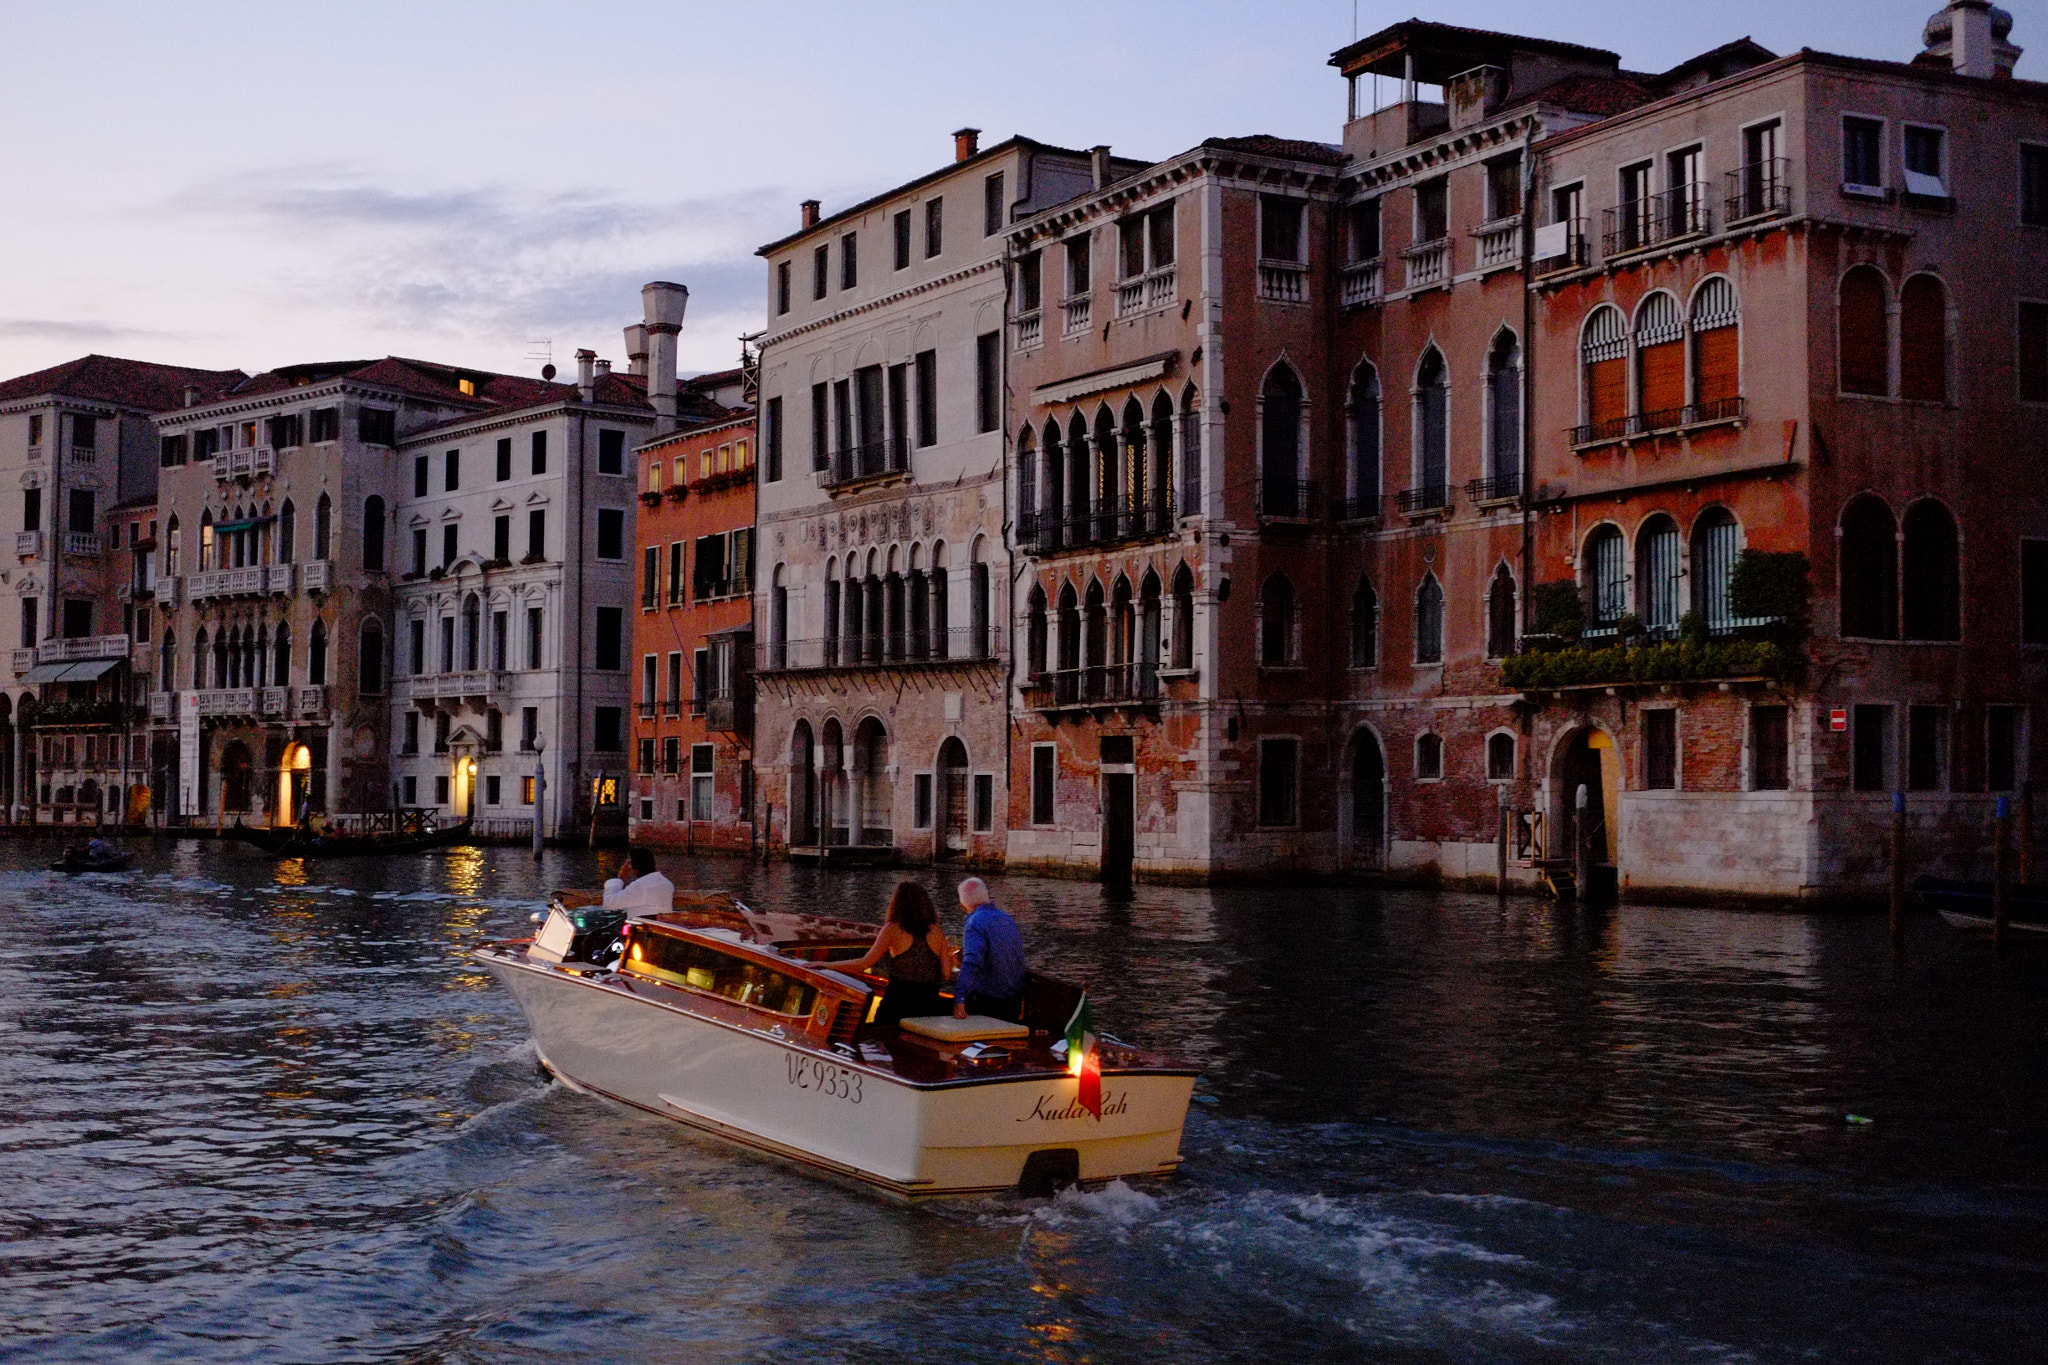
x=611 y=451
x=700 y=672
x=927 y=366
x=1030 y=286
x=609 y=645
x=934 y=227
x=1080 y=273
x=901 y=227
x=672 y=763
x=173 y=452
x=650 y=577
x=1280 y=227
x=921 y=801
x=31 y=509
x=675 y=682
x=529 y=733
x=2034 y=184
x=533 y=636
x=537 y=534
x=447 y=644
x=493 y=790
x=647 y=756
x=649 y=665
x=1863 y=153
x=2034 y=592
x=412 y=733
x=1872 y=739
x=1504 y=186
x=994 y=209
x=821 y=438
x=984 y=802
x=451 y=471
x=772 y=439
x=611 y=533
x=1924 y=747
x=377 y=426
x=1130 y=240
x=1660 y=749
x=1278 y=762
x=83 y=513
x=540 y=452
x=1925 y=172
x=500 y=627
x=2033 y=352
x=821 y=271
x=448 y=533
x=441 y=790
x=702 y=781
x=1770 y=750
x=2001 y=748
x=607 y=732
x=326 y=425
x=420 y=476
x=412 y=791
x=501 y=538
x=849 y=261
x=1045 y=759
x=504 y=469
x=30 y=625
x=988 y=381
x=1362 y=230
x=526 y=791
x=675 y=572
x=418 y=641
x=782 y=286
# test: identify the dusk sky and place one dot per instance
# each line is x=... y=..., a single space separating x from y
x=252 y=185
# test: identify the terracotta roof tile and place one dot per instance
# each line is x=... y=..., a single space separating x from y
x=141 y=384
x=1265 y=144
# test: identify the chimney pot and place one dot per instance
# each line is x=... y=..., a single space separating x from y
x=665 y=304
x=1098 y=163
x=191 y=395
x=966 y=143
x=586 y=374
x=810 y=207
x=636 y=348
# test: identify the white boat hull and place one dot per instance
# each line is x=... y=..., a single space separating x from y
x=835 y=1114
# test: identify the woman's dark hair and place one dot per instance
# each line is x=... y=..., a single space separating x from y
x=642 y=860
x=912 y=911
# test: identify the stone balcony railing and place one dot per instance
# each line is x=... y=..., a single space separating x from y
x=1030 y=330
x=474 y=682
x=227 y=701
x=1363 y=283
x=169 y=591
x=85 y=544
x=28 y=544
x=1283 y=281
x=1075 y=313
x=315 y=575
x=88 y=647
x=244 y=464
x=23 y=661
x=1156 y=289
x=1499 y=242
x=1428 y=263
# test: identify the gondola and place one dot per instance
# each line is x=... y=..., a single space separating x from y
x=79 y=858
x=302 y=842
x=1967 y=905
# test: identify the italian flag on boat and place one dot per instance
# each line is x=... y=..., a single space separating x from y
x=1082 y=1058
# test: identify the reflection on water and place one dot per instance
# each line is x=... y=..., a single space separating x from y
x=263 y=1110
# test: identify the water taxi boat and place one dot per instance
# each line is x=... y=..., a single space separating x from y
x=1968 y=905
x=717 y=1016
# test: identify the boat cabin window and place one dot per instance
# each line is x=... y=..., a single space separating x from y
x=699 y=966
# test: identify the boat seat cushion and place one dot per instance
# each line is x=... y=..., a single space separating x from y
x=974 y=1028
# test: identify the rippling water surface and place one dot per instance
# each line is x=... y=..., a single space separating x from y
x=263 y=1111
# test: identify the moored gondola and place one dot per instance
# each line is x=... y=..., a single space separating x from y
x=300 y=841
x=1968 y=905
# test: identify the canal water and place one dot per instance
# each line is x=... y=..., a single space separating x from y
x=253 y=1111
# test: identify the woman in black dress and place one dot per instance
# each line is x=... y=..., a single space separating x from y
x=912 y=953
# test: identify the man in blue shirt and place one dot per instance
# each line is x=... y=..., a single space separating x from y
x=991 y=980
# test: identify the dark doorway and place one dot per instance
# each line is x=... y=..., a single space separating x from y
x=953 y=799
x=1587 y=760
x=1368 y=801
x=234 y=777
x=1119 y=809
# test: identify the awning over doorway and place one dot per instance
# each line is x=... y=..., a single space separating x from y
x=85 y=670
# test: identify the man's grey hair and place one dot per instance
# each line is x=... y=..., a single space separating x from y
x=974 y=893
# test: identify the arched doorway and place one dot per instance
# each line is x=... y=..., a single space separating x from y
x=803 y=787
x=1589 y=759
x=1368 y=801
x=953 y=833
x=876 y=796
x=235 y=765
x=833 y=816
x=294 y=783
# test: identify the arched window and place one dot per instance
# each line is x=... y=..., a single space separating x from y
x=1362 y=477
x=1280 y=472
x=234 y=653
x=1069 y=659
x=833 y=608
x=1052 y=516
x=1606 y=571
x=803 y=775
x=1159 y=484
x=1500 y=758
x=1869 y=569
x=1716 y=352
x=977 y=603
x=1123 y=629
x=206 y=545
x=1278 y=636
x=1923 y=340
x=323 y=526
x=281 y=655
x=1365 y=625
x=1659 y=575
x=1500 y=614
x=1183 y=618
x=168 y=661
x=1433 y=429
x=370 y=659
x=1034 y=633
x=1080 y=483
x=942 y=634
x=316 y=656
x=1429 y=757
x=472 y=633
x=1148 y=635
x=174 y=545
x=1504 y=415
x=1094 y=638
x=1864 y=333
x=1932 y=578
x=1191 y=452
x=1109 y=475
x=1429 y=621
x=778 y=618
x=1027 y=488
x=373 y=534
x=1660 y=362
x=1603 y=361
x=1134 y=494
x=220 y=659
x=1715 y=543
x=287 y=533
x=199 y=659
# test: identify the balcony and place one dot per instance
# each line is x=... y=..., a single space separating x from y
x=1505 y=488
x=1639 y=224
x=227 y=701
x=1364 y=507
x=475 y=682
x=24 y=660
x=167 y=592
x=1075 y=313
x=83 y=544
x=1430 y=497
x=1499 y=242
x=248 y=582
x=1126 y=684
x=28 y=544
x=869 y=460
x=1560 y=246
x=1102 y=522
x=275 y=703
x=86 y=647
x=1661 y=422
x=1147 y=292
x=247 y=463
x=1289 y=499
x=309 y=703
x=1283 y=281
x=163 y=706
x=315 y=575
x=1363 y=282
x=277 y=579
x=731 y=714
x=1762 y=189
x=1030 y=330
x=961 y=644
x=1429 y=263
x=82 y=460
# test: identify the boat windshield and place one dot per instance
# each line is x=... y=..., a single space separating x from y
x=699 y=966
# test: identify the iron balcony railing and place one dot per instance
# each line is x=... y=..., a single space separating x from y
x=888 y=649
x=1760 y=189
x=1102 y=685
x=1363 y=507
x=1681 y=211
x=1661 y=419
x=1102 y=522
x=1289 y=499
x=1572 y=243
x=1500 y=488
x=1430 y=497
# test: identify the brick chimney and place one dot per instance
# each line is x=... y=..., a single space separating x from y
x=1098 y=163
x=966 y=143
x=810 y=207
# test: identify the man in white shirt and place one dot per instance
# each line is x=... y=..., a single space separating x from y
x=639 y=889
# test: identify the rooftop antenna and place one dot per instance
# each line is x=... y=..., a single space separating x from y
x=543 y=350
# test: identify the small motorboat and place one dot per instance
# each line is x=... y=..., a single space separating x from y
x=1967 y=905
x=716 y=1016
x=304 y=841
x=87 y=858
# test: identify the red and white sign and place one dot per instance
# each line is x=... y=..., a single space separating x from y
x=1838 y=719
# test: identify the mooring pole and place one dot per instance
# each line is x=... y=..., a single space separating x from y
x=2001 y=872
x=1898 y=850
x=1582 y=845
x=1500 y=840
x=540 y=797
x=2026 y=872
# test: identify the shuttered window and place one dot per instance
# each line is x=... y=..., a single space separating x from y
x=1660 y=361
x=1865 y=333
x=1923 y=340
x=1606 y=576
x=1713 y=563
x=1657 y=574
x=1716 y=357
x=1605 y=355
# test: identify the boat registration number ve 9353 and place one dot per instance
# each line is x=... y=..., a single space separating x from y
x=817 y=1074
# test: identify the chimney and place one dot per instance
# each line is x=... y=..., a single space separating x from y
x=586 y=367
x=966 y=143
x=604 y=368
x=810 y=207
x=1970 y=35
x=636 y=349
x=1098 y=160
x=191 y=395
x=664 y=303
